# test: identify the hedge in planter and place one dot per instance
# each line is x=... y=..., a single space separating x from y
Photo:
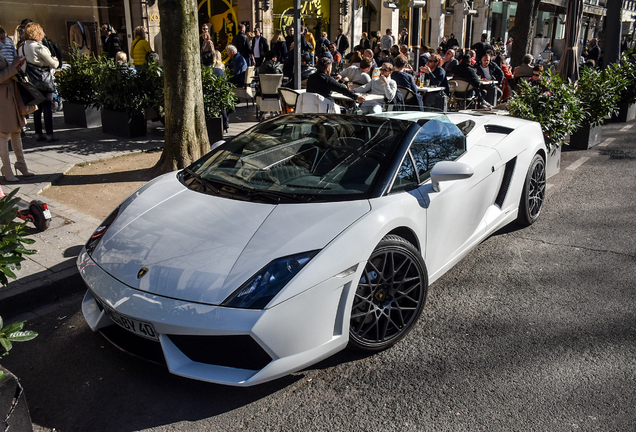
x=625 y=74
x=555 y=106
x=76 y=84
x=218 y=100
x=121 y=97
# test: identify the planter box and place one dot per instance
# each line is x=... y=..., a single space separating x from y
x=80 y=116
x=586 y=137
x=626 y=112
x=122 y=124
x=215 y=129
x=553 y=162
x=20 y=419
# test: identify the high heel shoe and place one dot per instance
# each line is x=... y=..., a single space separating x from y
x=8 y=174
x=22 y=167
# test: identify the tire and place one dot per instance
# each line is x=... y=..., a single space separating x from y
x=40 y=222
x=533 y=193
x=390 y=296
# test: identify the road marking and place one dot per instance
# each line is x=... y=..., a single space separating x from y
x=606 y=142
x=626 y=128
x=577 y=163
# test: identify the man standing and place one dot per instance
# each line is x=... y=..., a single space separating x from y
x=404 y=37
x=8 y=48
x=387 y=40
x=452 y=42
x=260 y=47
x=594 y=52
x=342 y=43
x=238 y=66
x=311 y=40
x=242 y=44
x=111 y=43
x=290 y=36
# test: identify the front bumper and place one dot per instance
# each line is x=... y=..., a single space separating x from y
x=205 y=342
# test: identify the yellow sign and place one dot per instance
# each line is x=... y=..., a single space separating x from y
x=154 y=18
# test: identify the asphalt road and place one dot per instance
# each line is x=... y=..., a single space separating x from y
x=535 y=330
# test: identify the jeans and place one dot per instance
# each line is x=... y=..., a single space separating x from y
x=46 y=109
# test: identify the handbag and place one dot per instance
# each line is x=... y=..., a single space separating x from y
x=29 y=94
x=40 y=76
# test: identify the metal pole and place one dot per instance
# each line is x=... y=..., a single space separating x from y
x=297 y=47
x=613 y=28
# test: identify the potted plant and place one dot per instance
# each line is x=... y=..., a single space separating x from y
x=555 y=106
x=13 y=407
x=625 y=73
x=76 y=84
x=151 y=76
x=599 y=94
x=120 y=95
x=218 y=100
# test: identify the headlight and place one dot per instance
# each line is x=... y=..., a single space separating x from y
x=264 y=285
x=92 y=243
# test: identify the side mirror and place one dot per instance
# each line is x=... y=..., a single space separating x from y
x=448 y=170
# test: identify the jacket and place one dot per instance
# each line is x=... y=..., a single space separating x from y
x=495 y=72
x=324 y=84
x=36 y=53
x=376 y=86
x=139 y=48
x=10 y=120
x=342 y=43
x=75 y=35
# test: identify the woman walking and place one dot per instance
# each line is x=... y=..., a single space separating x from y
x=11 y=120
x=38 y=56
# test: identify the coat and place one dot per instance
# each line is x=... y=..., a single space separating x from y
x=75 y=35
x=140 y=47
x=10 y=119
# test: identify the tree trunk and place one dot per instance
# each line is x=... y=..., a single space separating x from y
x=186 y=134
x=523 y=30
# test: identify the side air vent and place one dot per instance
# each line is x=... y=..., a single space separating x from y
x=490 y=128
x=505 y=184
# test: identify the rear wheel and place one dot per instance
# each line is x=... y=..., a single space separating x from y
x=533 y=193
x=390 y=295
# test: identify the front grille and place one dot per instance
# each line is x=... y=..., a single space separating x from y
x=132 y=344
x=239 y=351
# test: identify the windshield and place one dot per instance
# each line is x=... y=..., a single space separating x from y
x=300 y=158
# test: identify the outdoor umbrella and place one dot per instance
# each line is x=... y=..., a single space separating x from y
x=569 y=63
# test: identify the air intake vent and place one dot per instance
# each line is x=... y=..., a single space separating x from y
x=498 y=129
x=505 y=184
x=240 y=351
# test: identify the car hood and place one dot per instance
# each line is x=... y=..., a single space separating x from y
x=201 y=248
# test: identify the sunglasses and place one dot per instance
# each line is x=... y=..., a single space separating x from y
x=536 y=74
x=431 y=61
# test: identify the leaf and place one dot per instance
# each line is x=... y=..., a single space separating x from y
x=22 y=336
x=13 y=327
x=6 y=344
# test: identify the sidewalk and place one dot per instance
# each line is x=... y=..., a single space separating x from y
x=59 y=246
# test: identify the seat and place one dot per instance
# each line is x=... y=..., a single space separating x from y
x=248 y=91
x=410 y=98
x=288 y=98
x=462 y=94
x=268 y=99
x=315 y=103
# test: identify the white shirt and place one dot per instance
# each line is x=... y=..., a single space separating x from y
x=257 y=49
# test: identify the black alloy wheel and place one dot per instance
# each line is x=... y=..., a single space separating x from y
x=390 y=295
x=533 y=193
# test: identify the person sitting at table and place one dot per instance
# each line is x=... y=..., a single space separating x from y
x=369 y=54
x=536 y=80
x=487 y=70
x=306 y=70
x=383 y=85
x=449 y=63
x=386 y=57
x=270 y=65
x=405 y=79
x=525 y=70
x=324 y=84
x=357 y=75
x=464 y=71
x=238 y=65
x=435 y=73
x=337 y=57
x=500 y=60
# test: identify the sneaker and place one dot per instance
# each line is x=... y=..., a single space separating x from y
x=40 y=138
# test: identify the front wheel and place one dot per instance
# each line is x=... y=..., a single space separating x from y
x=390 y=295
x=533 y=193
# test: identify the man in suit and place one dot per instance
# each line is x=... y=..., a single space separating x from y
x=260 y=47
x=242 y=44
x=525 y=70
x=342 y=43
x=78 y=33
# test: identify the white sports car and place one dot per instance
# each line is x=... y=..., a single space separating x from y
x=303 y=235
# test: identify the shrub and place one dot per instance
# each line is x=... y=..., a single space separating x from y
x=78 y=83
x=218 y=93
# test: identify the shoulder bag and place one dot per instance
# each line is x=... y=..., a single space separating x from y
x=29 y=94
x=40 y=76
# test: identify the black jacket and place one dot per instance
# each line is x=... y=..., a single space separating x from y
x=243 y=46
x=466 y=72
x=342 y=43
x=324 y=84
x=495 y=72
x=263 y=46
x=112 y=45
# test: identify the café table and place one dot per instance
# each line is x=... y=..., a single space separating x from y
x=491 y=91
x=433 y=97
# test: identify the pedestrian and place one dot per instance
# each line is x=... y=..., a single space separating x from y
x=279 y=46
x=12 y=119
x=387 y=40
x=342 y=42
x=7 y=47
x=453 y=42
x=38 y=56
x=111 y=43
x=140 y=47
x=364 y=41
x=259 y=46
x=243 y=46
x=310 y=41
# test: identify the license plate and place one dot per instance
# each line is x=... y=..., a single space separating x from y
x=140 y=328
x=47 y=214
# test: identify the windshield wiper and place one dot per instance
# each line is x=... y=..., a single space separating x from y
x=277 y=197
x=204 y=182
